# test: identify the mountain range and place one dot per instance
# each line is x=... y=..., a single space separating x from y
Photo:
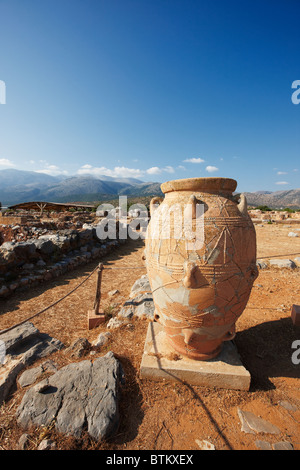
x=18 y=186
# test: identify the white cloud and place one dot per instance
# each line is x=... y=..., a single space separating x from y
x=295 y=169
x=211 y=169
x=168 y=169
x=281 y=173
x=281 y=182
x=7 y=163
x=154 y=170
x=52 y=170
x=194 y=160
x=122 y=171
x=117 y=172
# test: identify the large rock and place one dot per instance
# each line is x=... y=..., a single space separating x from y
x=80 y=396
x=44 y=245
x=7 y=253
x=140 y=286
x=141 y=306
x=140 y=303
x=25 y=250
x=282 y=263
x=23 y=345
x=61 y=242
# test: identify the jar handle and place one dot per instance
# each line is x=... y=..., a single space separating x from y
x=242 y=205
x=155 y=201
x=230 y=335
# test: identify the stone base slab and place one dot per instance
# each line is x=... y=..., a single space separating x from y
x=161 y=362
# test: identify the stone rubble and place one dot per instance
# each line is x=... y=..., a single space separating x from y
x=27 y=263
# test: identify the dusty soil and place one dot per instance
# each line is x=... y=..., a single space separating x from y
x=172 y=416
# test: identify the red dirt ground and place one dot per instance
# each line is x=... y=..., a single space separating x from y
x=172 y=416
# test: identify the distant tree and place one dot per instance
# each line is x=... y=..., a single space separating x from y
x=264 y=208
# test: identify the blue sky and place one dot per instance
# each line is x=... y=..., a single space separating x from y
x=154 y=89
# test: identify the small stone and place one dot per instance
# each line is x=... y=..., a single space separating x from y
x=253 y=424
x=23 y=442
x=114 y=323
x=28 y=266
x=282 y=445
x=13 y=286
x=24 y=281
x=293 y=234
x=49 y=366
x=263 y=445
x=46 y=444
x=205 y=445
x=41 y=263
x=30 y=376
x=113 y=292
x=4 y=291
x=79 y=347
x=261 y=264
x=288 y=406
x=102 y=339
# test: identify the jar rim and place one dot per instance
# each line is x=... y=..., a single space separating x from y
x=206 y=184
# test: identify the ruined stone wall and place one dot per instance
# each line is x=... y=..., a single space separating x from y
x=28 y=263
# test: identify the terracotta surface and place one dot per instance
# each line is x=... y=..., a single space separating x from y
x=200 y=293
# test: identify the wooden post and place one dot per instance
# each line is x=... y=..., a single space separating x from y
x=97 y=316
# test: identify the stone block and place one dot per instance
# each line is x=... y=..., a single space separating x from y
x=160 y=362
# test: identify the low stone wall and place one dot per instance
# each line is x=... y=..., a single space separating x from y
x=26 y=264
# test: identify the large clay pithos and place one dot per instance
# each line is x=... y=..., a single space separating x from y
x=200 y=290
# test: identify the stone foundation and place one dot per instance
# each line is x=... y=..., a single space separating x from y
x=160 y=362
x=26 y=264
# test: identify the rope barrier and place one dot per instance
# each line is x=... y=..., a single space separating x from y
x=97 y=300
x=100 y=268
x=49 y=306
x=276 y=256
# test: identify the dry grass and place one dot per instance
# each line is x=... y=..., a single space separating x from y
x=157 y=415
